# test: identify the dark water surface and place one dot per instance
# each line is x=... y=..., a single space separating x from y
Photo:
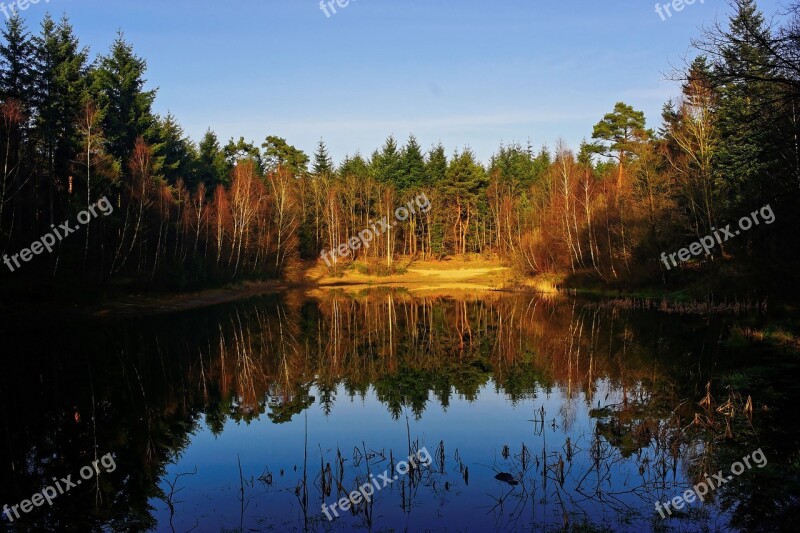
x=537 y=414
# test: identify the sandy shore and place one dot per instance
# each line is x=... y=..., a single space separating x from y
x=455 y=276
x=479 y=275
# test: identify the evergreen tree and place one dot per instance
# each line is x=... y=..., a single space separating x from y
x=436 y=165
x=323 y=164
x=119 y=89
x=277 y=152
x=241 y=150
x=16 y=61
x=617 y=135
x=354 y=166
x=541 y=163
x=172 y=152
x=386 y=164
x=749 y=127
x=16 y=81
x=211 y=166
x=466 y=178
x=59 y=86
x=412 y=173
x=515 y=166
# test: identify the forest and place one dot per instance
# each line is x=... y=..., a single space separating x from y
x=76 y=129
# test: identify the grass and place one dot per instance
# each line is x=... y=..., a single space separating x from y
x=772 y=335
x=378 y=269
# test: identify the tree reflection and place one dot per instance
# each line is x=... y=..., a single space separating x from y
x=138 y=389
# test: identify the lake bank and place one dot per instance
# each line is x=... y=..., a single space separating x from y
x=454 y=277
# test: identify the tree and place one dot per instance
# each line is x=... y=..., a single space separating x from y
x=119 y=89
x=246 y=201
x=513 y=170
x=285 y=212
x=357 y=192
x=279 y=153
x=354 y=166
x=16 y=62
x=59 y=83
x=465 y=179
x=692 y=132
x=211 y=166
x=412 y=175
x=436 y=165
x=387 y=164
x=16 y=81
x=93 y=156
x=752 y=126
x=323 y=165
x=515 y=166
x=13 y=117
x=139 y=195
x=436 y=173
x=241 y=151
x=172 y=152
x=618 y=132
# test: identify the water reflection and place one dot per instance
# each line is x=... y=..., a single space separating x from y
x=542 y=413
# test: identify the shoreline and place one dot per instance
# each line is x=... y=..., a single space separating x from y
x=459 y=277
x=453 y=276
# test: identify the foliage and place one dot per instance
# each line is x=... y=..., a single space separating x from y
x=188 y=214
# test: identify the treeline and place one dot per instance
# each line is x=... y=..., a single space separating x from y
x=186 y=213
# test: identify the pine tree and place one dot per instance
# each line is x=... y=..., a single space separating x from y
x=748 y=125
x=515 y=166
x=59 y=83
x=354 y=166
x=618 y=132
x=386 y=164
x=16 y=61
x=412 y=175
x=435 y=173
x=323 y=164
x=119 y=89
x=16 y=84
x=241 y=151
x=211 y=167
x=436 y=165
x=277 y=152
x=466 y=178
x=172 y=152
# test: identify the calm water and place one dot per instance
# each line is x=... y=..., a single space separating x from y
x=537 y=414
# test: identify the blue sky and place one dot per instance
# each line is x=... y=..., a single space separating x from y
x=466 y=73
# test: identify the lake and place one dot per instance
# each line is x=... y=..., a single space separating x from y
x=532 y=414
